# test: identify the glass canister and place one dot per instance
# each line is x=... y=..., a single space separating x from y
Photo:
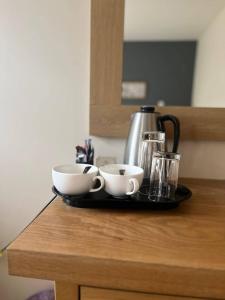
x=164 y=176
x=152 y=141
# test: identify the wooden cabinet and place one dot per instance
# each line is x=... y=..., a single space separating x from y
x=87 y=293
x=127 y=254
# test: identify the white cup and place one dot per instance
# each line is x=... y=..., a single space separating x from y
x=70 y=180
x=121 y=185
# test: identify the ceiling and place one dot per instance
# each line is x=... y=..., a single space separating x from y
x=169 y=19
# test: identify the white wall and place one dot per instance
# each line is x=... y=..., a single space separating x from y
x=198 y=159
x=44 y=91
x=209 y=81
x=168 y=19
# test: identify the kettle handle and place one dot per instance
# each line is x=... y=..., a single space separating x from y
x=176 y=129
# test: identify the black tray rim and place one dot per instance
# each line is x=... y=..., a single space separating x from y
x=82 y=201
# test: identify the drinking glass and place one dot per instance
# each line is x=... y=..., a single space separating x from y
x=152 y=141
x=164 y=176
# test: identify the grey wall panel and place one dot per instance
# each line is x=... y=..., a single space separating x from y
x=167 y=67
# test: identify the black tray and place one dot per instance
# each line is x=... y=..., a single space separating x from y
x=137 y=201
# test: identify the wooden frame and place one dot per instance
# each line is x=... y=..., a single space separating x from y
x=108 y=117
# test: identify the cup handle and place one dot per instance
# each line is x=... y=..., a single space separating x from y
x=134 y=182
x=102 y=182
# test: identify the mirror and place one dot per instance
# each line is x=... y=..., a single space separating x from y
x=108 y=117
x=174 y=53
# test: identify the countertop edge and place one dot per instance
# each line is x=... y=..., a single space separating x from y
x=114 y=274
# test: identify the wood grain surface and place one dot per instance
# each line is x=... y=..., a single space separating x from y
x=176 y=252
x=197 y=123
x=108 y=117
x=88 y=293
x=66 y=291
x=106 y=51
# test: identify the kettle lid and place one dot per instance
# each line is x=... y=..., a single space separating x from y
x=147 y=109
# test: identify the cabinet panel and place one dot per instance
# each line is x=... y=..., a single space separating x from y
x=88 y=293
x=64 y=290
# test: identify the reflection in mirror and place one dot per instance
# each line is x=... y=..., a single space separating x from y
x=174 y=53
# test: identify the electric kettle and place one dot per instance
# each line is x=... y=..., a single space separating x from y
x=147 y=119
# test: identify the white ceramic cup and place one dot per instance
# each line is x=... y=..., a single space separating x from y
x=121 y=185
x=70 y=180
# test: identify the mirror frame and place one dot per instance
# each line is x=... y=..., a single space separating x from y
x=108 y=117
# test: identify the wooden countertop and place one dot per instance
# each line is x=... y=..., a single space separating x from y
x=177 y=252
